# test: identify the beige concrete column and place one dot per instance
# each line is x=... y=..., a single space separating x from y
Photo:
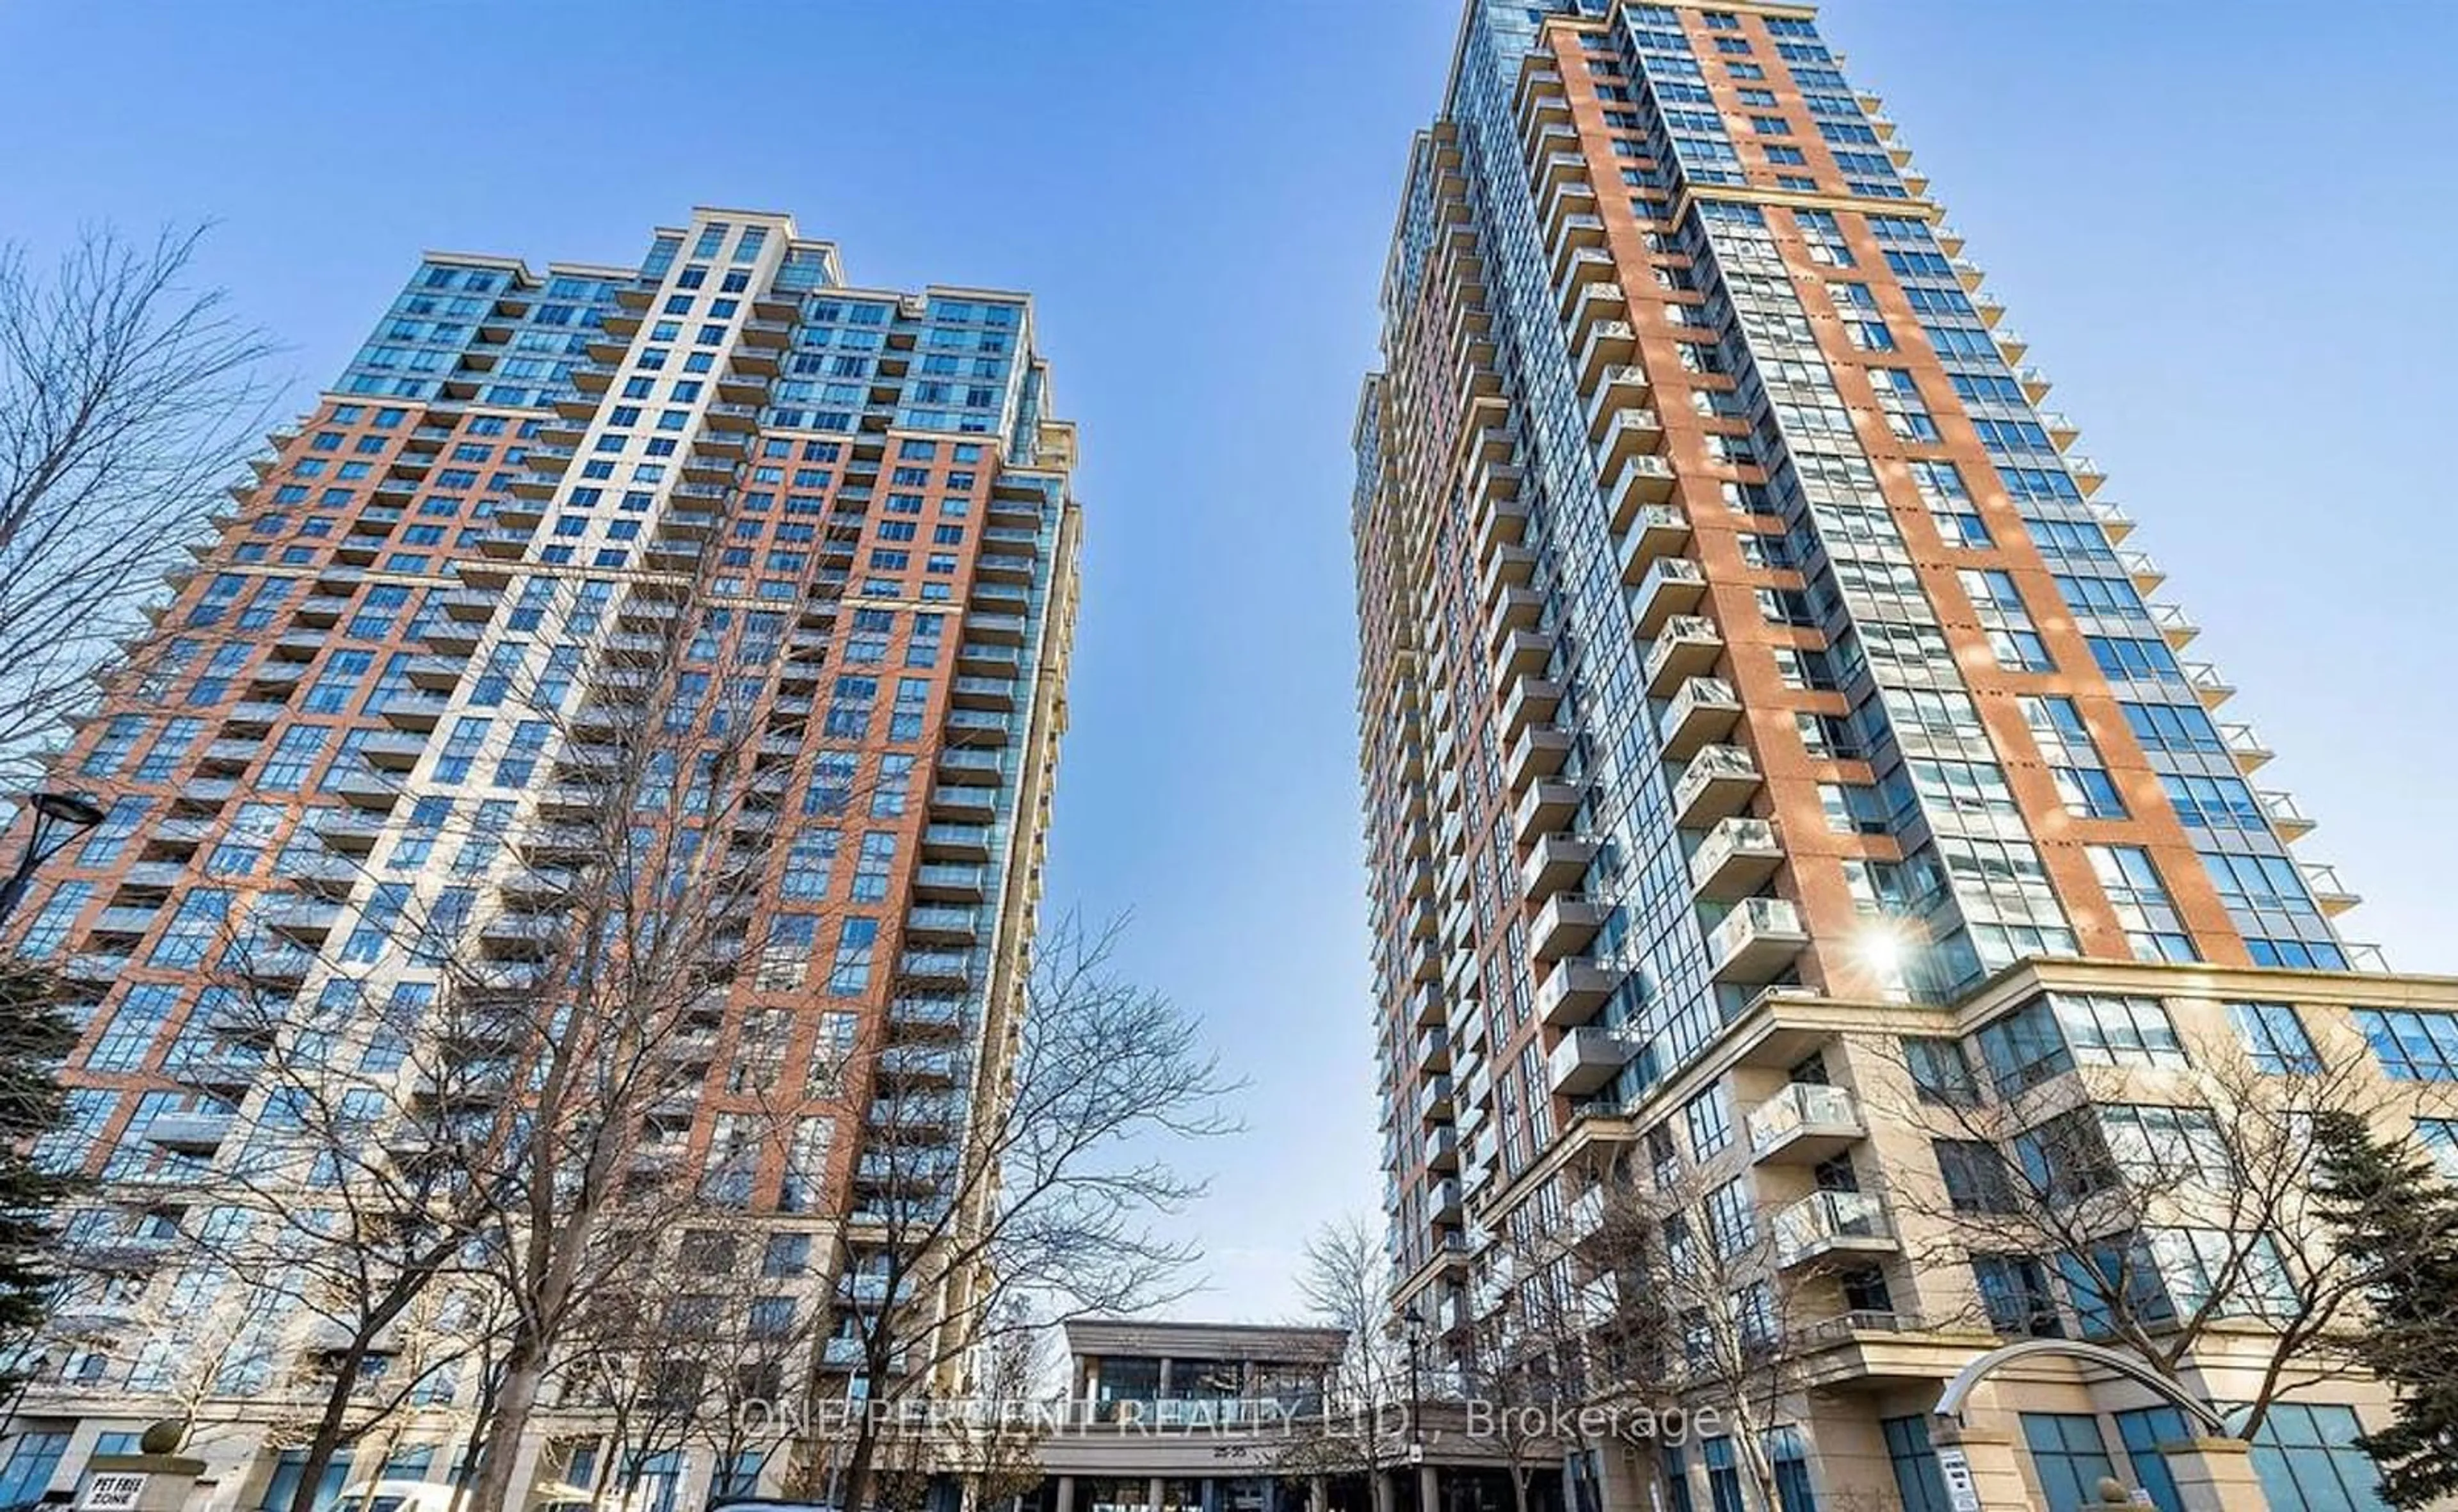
x=1992 y=1460
x=1625 y=1481
x=1429 y=1488
x=1066 y=1494
x=2215 y=1475
x=1151 y=1493
x=1318 y=1494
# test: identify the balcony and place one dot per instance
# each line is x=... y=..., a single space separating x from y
x=1832 y=1222
x=1573 y=991
x=1627 y=434
x=1705 y=710
x=1736 y=858
x=1503 y=522
x=1586 y=1059
x=962 y=843
x=1584 y=267
x=1547 y=805
x=2213 y=689
x=1557 y=861
x=1607 y=345
x=1803 y=1125
x=308 y=920
x=2285 y=817
x=1655 y=534
x=971 y=805
x=1673 y=585
x=976 y=728
x=1623 y=388
x=943 y=921
x=1442 y=1148
x=1531 y=699
x=1443 y=1200
x=2251 y=755
x=935 y=969
x=1539 y=752
x=1718 y=782
x=1565 y=925
x=1508 y=568
x=1434 y=1099
x=1687 y=647
x=2174 y=626
x=2329 y=894
x=1757 y=942
x=1642 y=480
x=199 y=1131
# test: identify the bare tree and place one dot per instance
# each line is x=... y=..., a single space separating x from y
x=1345 y=1281
x=127 y=398
x=600 y=994
x=1008 y=1152
x=2166 y=1211
x=689 y=1342
x=1002 y=1450
x=344 y=1200
x=1534 y=1339
x=1687 y=1297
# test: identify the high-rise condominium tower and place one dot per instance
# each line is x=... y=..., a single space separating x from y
x=717 y=582
x=1759 y=705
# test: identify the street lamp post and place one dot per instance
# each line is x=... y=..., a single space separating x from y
x=1412 y=1328
x=59 y=817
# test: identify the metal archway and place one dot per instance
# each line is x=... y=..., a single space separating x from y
x=1951 y=1402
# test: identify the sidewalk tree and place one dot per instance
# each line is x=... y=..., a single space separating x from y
x=998 y=1180
x=2170 y=1198
x=128 y=398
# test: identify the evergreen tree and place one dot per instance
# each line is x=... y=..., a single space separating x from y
x=34 y=1035
x=2397 y=1216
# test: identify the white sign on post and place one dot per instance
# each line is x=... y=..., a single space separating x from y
x=112 y=1491
x=1962 y=1491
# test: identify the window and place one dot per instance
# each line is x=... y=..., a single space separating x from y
x=2087 y=792
x=2054 y=1033
x=849 y=974
x=1731 y=1225
x=134 y=1028
x=2412 y=1046
x=1940 y=1071
x=2015 y=1292
x=2069 y=1457
x=2251 y=883
x=194 y=928
x=1918 y=1479
x=1708 y=1117
x=2140 y=901
x=2308 y=1461
x=2154 y=1143
x=31 y=1467
x=2274 y=1037
x=1724 y=1475
x=2143 y=1430
x=2215 y=803
x=1975 y=1174
x=1788 y=1454
x=808 y=862
x=2438 y=1137
x=872 y=867
x=786 y=1254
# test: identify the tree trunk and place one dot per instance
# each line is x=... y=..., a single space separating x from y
x=857 y=1470
x=328 y=1437
x=524 y=1369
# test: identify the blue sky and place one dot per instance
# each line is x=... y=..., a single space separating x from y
x=2225 y=232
